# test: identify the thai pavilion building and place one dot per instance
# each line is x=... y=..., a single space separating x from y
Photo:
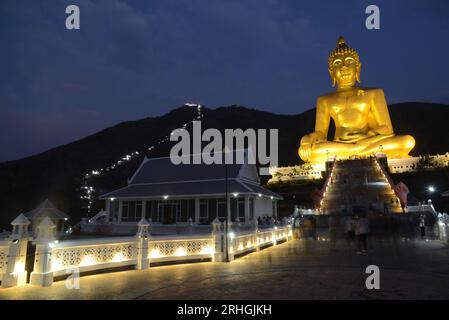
x=177 y=194
x=47 y=210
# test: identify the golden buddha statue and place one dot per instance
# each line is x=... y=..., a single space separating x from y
x=362 y=122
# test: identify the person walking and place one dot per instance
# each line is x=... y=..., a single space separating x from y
x=362 y=229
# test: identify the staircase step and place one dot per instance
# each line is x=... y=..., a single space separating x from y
x=358 y=183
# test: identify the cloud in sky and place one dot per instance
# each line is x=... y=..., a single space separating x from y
x=133 y=59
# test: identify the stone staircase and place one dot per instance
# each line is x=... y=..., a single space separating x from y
x=359 y=185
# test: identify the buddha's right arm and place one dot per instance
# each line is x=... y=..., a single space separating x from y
x=322 y=119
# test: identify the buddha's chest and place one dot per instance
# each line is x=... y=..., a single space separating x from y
x=349 y=111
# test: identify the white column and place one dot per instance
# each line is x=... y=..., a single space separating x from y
x=219 y=245
x=197 y=210
x=247 y=210
x=42 y=274
x=144 y=209
x=275 y=209
x=119 y=219
x=228 y=212
x=143 y=238
x=108 y=209
x=15 y=273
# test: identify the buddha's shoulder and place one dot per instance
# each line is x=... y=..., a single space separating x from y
x=359 y=90
x=372 y=91
x=326 y=96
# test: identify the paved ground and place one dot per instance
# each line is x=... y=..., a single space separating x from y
x=300 y=269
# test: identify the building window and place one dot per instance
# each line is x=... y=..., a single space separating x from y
x=238 y=209
x=192 y=209
x=170 y=211
x=204 y=211
x=114 y=207
x=131 y=211
x=151 y=211
x=139 y=210
x=187 y=210
x=221 y=209
x=183 y=213
x=241 y=206
x=212 y=208
x=234 y=209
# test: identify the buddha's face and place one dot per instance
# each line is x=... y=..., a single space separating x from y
x=344 y=71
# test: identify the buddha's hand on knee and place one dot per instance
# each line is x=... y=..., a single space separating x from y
x=304 y=151
x=307 y=142
x=312 y=138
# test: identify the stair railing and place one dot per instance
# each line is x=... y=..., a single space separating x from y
x=327 y=181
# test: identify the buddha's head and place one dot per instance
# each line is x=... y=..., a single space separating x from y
x=344 y=65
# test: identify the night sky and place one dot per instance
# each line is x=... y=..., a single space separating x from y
x=134 y=59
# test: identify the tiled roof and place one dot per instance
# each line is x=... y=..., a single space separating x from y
x=158 y=177
x=163 y=170
x=181 y=189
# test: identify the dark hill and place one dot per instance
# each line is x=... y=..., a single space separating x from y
x=58 y=173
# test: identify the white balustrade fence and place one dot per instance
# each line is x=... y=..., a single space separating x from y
x=4 y=248
x=254 y=241
x=181 y=248
x=93 y=254
x=106 y=253
x=54 y=258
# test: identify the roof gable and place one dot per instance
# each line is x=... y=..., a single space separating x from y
x=46 y=209
x=162 y=170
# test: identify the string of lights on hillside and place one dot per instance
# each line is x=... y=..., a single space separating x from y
x=88 y=190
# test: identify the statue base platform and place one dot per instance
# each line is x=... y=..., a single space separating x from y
x=317 y=171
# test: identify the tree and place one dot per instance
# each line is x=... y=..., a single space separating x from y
x=425 y=162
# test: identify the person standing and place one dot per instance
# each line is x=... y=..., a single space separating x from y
x=332 y=222
x=422 y=226
x=362 y=229
x=313 y=226
x=350 y=229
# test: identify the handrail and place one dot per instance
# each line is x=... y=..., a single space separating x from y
x=326 y=181
x=387 y=177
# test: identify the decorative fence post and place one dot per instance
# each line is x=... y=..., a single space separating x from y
x=42 y=274
x=143 y=238
x=231 y=240
x=256 y=236
x=289 y=232
x=190 y=226
x=237 y=224
x=15 y=274
x=443 y=227
x=219 y=245
x=446 y=231
x=274 y=235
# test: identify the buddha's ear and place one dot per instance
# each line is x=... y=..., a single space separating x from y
x=357 y=74
x=334 y=81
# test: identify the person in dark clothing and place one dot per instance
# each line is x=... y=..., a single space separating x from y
x=422 y=226
x=362 y=228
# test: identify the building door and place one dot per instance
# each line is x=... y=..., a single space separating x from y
x=167 y=212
